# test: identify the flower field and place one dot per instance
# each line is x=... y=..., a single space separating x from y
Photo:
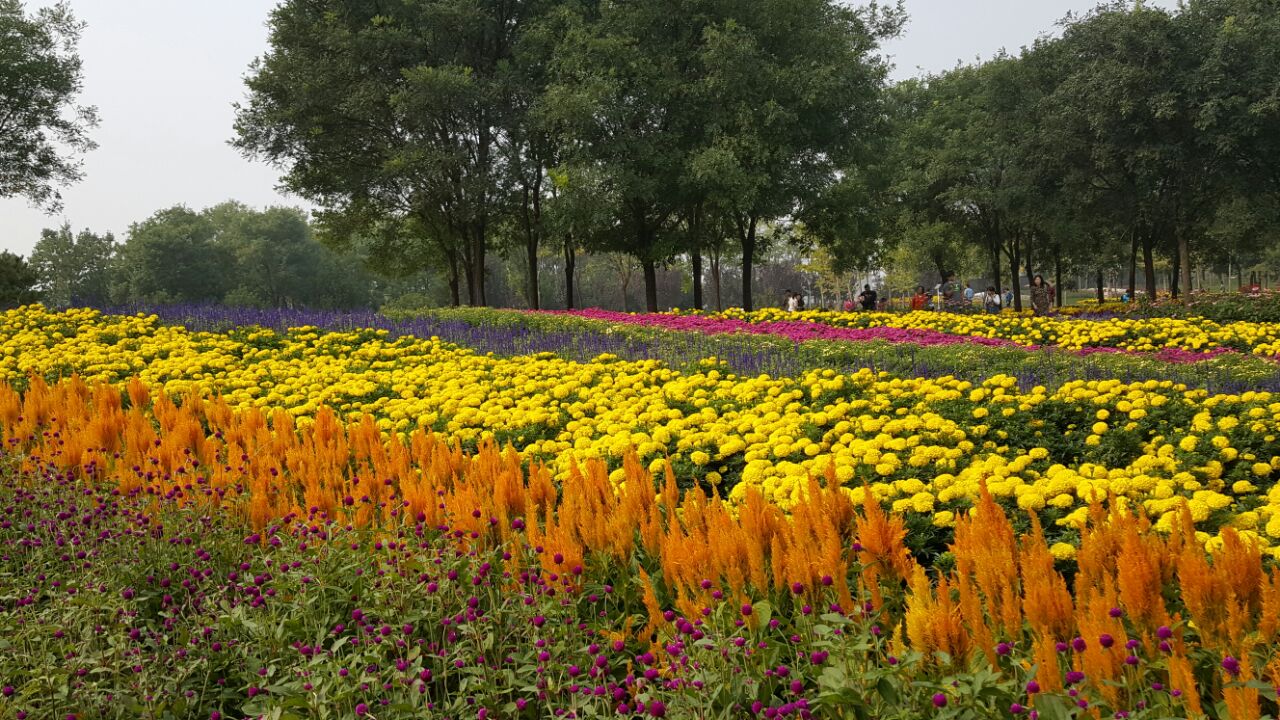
x=306 y=522
x=1135 y=334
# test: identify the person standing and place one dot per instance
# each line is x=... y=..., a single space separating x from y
x=793 y=301
x=968 y=295
x=920 y=299
x=952 y=295
x=991 y=300
x=1042 y=296
x=868 y=298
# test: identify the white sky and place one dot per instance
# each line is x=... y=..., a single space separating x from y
x=164 y=74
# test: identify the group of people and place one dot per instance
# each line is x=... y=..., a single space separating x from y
x=795 y=301
x=948 y=295
x=955 y=298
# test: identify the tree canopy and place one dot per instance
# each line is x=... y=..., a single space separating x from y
x=43 y=129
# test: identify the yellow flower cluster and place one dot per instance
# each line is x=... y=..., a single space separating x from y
x=1132 y=334
x=924 y=446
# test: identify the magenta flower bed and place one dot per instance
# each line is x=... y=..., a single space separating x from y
x=801 y=331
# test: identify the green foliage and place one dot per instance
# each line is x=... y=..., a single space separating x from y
x=172 y=256
x=74 y=268
x=41 y=126
x=227 y=253
x=17 y=281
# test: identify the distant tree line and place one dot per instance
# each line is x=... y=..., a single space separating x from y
x=228 y=253
x=560 y=153
x=235 y=255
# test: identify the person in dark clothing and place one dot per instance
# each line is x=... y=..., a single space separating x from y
x=868 y=298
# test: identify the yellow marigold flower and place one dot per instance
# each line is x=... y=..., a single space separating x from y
x=1062 y=551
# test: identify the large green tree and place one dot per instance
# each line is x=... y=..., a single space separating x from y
x=74 y=267
x=173 y=256
x=393 y=116
x=17 y=281
x=43 y=129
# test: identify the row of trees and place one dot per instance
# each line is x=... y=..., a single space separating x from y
x=232 y=254
x=1138 y=133
x=225 y=254
x=450 y=138
x=431 y=133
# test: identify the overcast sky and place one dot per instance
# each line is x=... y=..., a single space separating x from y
x=164 y=74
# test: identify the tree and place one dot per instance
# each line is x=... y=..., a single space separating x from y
x=172 y=256
x=622 y=98
x=73 y=268
x=790 y=96
x=17 y=281
x=42 y=128
x=393 y=115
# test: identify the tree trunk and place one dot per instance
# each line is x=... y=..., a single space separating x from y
x=715 y=277
x=477 y=266
x=1057 y=275
x=697 y=278
x=532 y=223
x=1015 y=264
x=1132 y=288
x=1026 y=260
x=468 y=273
x=650 y=284
x=1149 y=264
x=748 y=236
x=570 y=261
x=1175 y=272
x=995 y=267
x=1100 y=294
x=1184 y=259
x=454 y=296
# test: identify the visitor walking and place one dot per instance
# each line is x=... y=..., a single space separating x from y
x=968 y=295
x=1042 y=296
x=793 y=301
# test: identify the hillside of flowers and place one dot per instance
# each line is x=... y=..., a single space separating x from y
x=306 y=522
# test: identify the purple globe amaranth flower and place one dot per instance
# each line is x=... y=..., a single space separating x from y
x=1231 y=665
x=1106 y=641
x=1078 y=644
x=1074 y=676
x=746 y=609
x=657 y=709
x=939 y=700
x=362 y=709
x=1163 y=632
x=1016 y=709
x=1004 y=648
